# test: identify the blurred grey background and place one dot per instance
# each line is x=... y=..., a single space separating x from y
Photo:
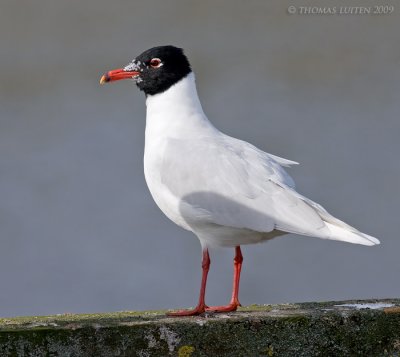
x=79 y=231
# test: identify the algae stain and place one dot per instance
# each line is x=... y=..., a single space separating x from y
x=268 y=351
x=185 y=351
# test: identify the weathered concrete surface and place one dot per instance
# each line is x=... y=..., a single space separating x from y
x=351 y=328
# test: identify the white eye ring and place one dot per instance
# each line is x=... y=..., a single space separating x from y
x=155 y=63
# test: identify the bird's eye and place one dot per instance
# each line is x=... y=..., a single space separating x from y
x=155 y=63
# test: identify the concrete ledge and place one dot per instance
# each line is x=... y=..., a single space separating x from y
x=349 y=328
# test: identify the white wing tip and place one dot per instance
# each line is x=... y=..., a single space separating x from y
x=355 y=237
x=369 y=240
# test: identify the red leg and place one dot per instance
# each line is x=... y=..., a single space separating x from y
x=234 y=303
x=201 y=306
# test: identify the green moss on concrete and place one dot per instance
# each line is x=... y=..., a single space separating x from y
x=65 y=319
x=306 y=329
x=185 y=351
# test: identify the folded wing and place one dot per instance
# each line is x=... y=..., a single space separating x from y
x=229 y=182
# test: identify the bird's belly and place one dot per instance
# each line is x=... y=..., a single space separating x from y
x=222 y=236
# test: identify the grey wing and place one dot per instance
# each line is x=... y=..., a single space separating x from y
x=232 y=183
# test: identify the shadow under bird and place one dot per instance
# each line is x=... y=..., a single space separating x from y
x=224 y=190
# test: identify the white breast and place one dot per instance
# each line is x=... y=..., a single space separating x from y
x=173 y=114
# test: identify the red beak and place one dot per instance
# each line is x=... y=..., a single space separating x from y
x=118 y=74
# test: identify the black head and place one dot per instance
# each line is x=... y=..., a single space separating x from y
x=155 y=70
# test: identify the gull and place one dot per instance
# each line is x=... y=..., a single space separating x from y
x=224 y=190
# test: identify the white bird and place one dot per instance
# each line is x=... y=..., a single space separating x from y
x=224 y=190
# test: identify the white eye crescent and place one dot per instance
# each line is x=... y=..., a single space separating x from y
x=155 y=63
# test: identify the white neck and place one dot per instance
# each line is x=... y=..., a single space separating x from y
x=176 y=112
